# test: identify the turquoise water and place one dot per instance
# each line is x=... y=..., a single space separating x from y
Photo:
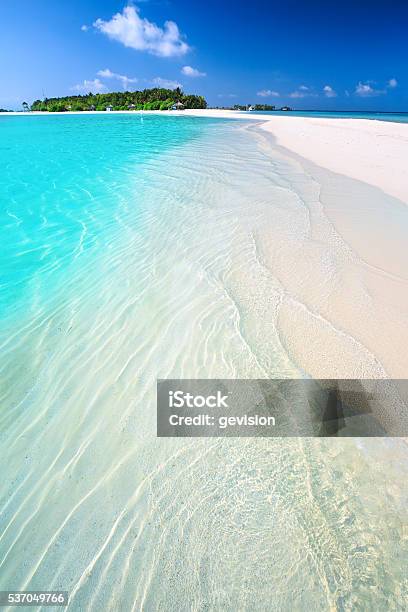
x=134 y=249
x=64 y=190
x=379 y=116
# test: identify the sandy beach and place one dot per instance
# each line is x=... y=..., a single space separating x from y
x=344 y=306
x=350 y=317
x=368 y=150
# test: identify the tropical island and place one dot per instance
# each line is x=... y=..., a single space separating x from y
x=149 y=99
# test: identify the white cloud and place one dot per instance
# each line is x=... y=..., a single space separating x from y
x=166 y=83
x=297 y=94
x=268 y=93
x=84 y=28
x=228 y=95
x=143 y=35
x=106 y=73
x=125 y=80
x=329 y=91
x=192 y=72
x=303 y=92
x=392 y=83
x=365 y=90
x=94 y=86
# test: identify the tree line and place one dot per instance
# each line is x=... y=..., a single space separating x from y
x=157 y=98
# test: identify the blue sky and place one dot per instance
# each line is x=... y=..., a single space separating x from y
x=308 y=54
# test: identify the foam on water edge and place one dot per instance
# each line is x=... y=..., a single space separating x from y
x=170 y=277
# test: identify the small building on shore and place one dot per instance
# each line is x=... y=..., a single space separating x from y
x=131 y=106
x=109 y=109
x=178 y=106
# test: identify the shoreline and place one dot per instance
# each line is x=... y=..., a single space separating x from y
x=344 y=277
x=343 y=272
x=368 y=150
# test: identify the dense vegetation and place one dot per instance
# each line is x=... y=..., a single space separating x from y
x=148 y=99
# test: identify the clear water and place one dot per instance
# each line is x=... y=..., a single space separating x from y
x=130 y=252
x=65 y=187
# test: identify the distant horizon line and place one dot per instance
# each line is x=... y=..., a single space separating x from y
x=323 y=110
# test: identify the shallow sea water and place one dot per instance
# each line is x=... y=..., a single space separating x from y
x=130 y=251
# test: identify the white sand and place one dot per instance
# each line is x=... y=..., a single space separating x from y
x=346 y=277
x=375 y=152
